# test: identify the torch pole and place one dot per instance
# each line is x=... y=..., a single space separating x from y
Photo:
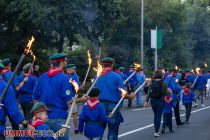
x=11 y=78
x=139 y=88
x=118 y=104
x=129 y=77
x=88 y=92
x=83 y=84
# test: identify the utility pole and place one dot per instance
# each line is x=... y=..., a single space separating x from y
x=142 y=33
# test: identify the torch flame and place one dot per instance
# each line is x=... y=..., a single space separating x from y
x=124 y=92
x=89 y=58
x=148 y=79
x=177 y=80
x=197 y=70
x=136 y=66
x=74 y=83
x=192 y=71
x=205 y=65
x=163 y=71
x=176 y=67
x=29 y=45
x=99 y=69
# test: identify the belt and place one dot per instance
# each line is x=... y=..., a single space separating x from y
x=108 y=102
x=2 y=122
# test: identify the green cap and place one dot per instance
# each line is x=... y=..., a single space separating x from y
x=187 y=70
x=38 y=107
x=1 y=66
x=70 y=66
x=57 y=57
x=121 y=68
x=27 y=66
x=108 y=60
x=6 y=61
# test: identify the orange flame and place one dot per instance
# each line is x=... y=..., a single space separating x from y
x=29 y=45
x=163 y=71
x=74 y=83
x=148 y=79
x=99 y=69
x=124 y=92
x=197 y=70
x=89 y=58
x=176 y=67
x=205 y=65
x=192 y=71
x=136 y=66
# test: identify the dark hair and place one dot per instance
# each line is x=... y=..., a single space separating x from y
x=107 y=64
x=187 y=85
x=94 y=92
x=158 y=74
x=56 y=64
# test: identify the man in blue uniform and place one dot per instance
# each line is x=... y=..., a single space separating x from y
x=109 y=83
x=172 y=82
x=121 y=71
x=140 y=80
x=10 y=109
x=27 y=82
x=132 y=83
x=54 y=89
x=1 y=68
x=70 y=71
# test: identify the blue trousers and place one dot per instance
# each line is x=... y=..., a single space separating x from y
x=139 y=97
x=157 y=108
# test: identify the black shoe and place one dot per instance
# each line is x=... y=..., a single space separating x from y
x=163 y=131
x=76 y=131
x=171 y=131
x=182 y=123
x=187 y=122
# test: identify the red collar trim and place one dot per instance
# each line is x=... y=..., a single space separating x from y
x=168 y=99
x=92 y=103
x=187 y=91
x=5 y=70
x=59 y=60
x=54 y=71
x=37 y=122
x=106 y=71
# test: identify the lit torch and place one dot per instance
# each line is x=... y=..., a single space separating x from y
x=124 y=93
x=89 y=66
x=99 y=71
x=27 y=51
x=205 y=64
x=176 y=68
x=136 y=68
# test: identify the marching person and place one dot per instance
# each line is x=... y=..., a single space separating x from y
x=121 y=71
x=187 y=100
x=157 y=91
x=208 y=84
x=167 y=112
x=109 y=83
x=132 y=83
x=10 y=109
x=27 y=82
x=70 y=71
x=54 y=89
x=140 y=80
x=36 y=72
x=172 y=83
x=94 y=117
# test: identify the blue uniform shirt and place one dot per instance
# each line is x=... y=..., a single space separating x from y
x=10 y=107
x=27 y=90
x=7 y=76
x=133 y=80
x=140 y=78
x=190 y=78
x=168 y=107
x=55 y=91
x=94 y=121
x=189 y=98
x=200 y=83
x=109 y=85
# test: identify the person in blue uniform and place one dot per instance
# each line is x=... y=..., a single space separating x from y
x=172 y=83
x=132 y=83
x=93 y=117
x=39 y=113
x=167 y=113
x=54 y=89
x=121 y=71
x=189 y=76
x=70 y=71
x=187 y=100
x=27 y=82
x=199 y=87
x=109 y=83
x=140 y=80
x=1 y=68
x=10 y=108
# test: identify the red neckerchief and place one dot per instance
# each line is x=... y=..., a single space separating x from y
x=92 y=103
x=54 y=71
x=168 y=99
x=5 y=70
x=106 y=71
x=170 y=75
x=37 y=122
x=186 y=91
x=118 y=71
x=0 y=78
x=27 y=74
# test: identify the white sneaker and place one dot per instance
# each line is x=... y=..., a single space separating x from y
x=196 y=104
x=182 y=107
x=156 y=135
x=203 y=105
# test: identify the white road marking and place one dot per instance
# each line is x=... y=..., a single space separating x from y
x=141 y=109
x=151 y=125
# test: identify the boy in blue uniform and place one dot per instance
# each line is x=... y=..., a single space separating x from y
x=70 y=71
x=94 y=117
x=109 y=83
x=172 y=83
x=187 y=100
x=54 y=89
x=39 y=113
x=167 y=113
x=27 y=82
x=10 y=108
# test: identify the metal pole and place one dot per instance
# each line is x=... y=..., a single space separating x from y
x=156 y=55
x=142 y=33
